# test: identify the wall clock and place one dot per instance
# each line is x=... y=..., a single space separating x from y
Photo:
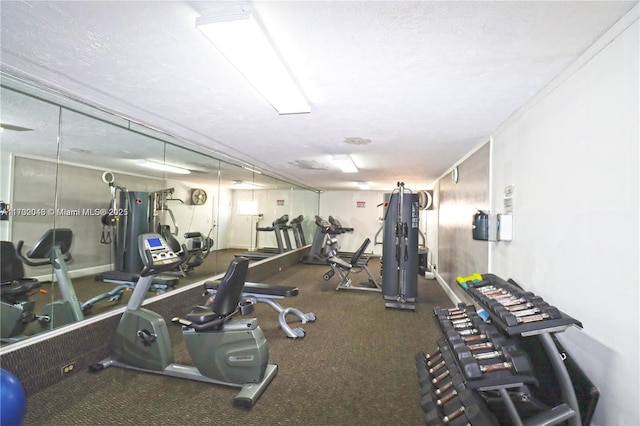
x=455 y=174
x=425 y=199
x=198 y=196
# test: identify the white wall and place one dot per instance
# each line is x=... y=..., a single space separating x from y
x=573 y=158
x=429 y=224
x=223 y=228
x=272 y=204
x=6 y=173
x=366 y=221
x=189 y=217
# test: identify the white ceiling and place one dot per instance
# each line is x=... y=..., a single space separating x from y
x=425 y=82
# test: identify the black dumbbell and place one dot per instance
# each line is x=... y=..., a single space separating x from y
x=515 y=361
x=454 y=379
x=435 y=418
x=473 y=347
x=428 y=356
x=440 y=312
x=433 y=361
x=450 y=417
x=440 y=377
x=487 y=289
x=504 y=312
x=479 y=356
x=534 y=300
x=456 y=338
x=489 y=331
x=548 y=312
x=515 y=301
x=439 y=366
x=466 y=402
x=430 y=402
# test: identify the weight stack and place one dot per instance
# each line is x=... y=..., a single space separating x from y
x=131 y=224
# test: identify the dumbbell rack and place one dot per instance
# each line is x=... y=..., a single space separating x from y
x=475 y=357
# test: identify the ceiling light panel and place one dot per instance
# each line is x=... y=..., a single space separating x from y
x=345 y=163
x=237 y=34
x=162 y=167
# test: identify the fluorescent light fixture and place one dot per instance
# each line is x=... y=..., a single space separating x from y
x=236 y=33
x=345 y=163
x=163 y=167
x=243 y=184
x=251 y=169
x=363 y=185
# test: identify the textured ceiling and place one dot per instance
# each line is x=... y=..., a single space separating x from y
x=424 y=82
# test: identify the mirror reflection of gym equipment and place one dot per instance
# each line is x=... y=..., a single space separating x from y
x=132 y=213
x=53 y=249
x=280 y=228
x=298 y=231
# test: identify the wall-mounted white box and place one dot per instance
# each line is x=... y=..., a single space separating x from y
x=505 y=227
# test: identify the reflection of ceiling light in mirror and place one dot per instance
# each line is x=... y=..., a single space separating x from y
x=162 y=167
x=236 y=33
x=243 y=184
x=4 y=126
x=345 y=163
x=251 y=169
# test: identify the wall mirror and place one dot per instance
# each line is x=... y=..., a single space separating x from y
x=30 y=127
x=88 y=181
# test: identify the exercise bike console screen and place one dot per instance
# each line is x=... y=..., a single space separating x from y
x=161 y=255
x=154 y=243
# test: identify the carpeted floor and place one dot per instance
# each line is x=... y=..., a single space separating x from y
x=355 y=366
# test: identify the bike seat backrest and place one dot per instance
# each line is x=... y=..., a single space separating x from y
x=14 y=286
x=11 y=266
x=173 y=244
x=358 y=254
x=61 y=237
x=231 y=285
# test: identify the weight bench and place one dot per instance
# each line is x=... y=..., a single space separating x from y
x=267 y=293
x=357 y=263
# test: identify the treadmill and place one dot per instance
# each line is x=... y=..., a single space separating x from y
x=339 y=229
x=298 y=232
x=317 y=254
x=281 y=229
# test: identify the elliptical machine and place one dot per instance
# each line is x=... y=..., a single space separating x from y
x=224 y=351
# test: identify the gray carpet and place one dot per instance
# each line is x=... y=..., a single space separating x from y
x=354 y=367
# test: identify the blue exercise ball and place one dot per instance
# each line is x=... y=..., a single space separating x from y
x=13 y=401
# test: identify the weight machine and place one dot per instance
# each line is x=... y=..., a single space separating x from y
x=400 y=249
x=133 y=213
